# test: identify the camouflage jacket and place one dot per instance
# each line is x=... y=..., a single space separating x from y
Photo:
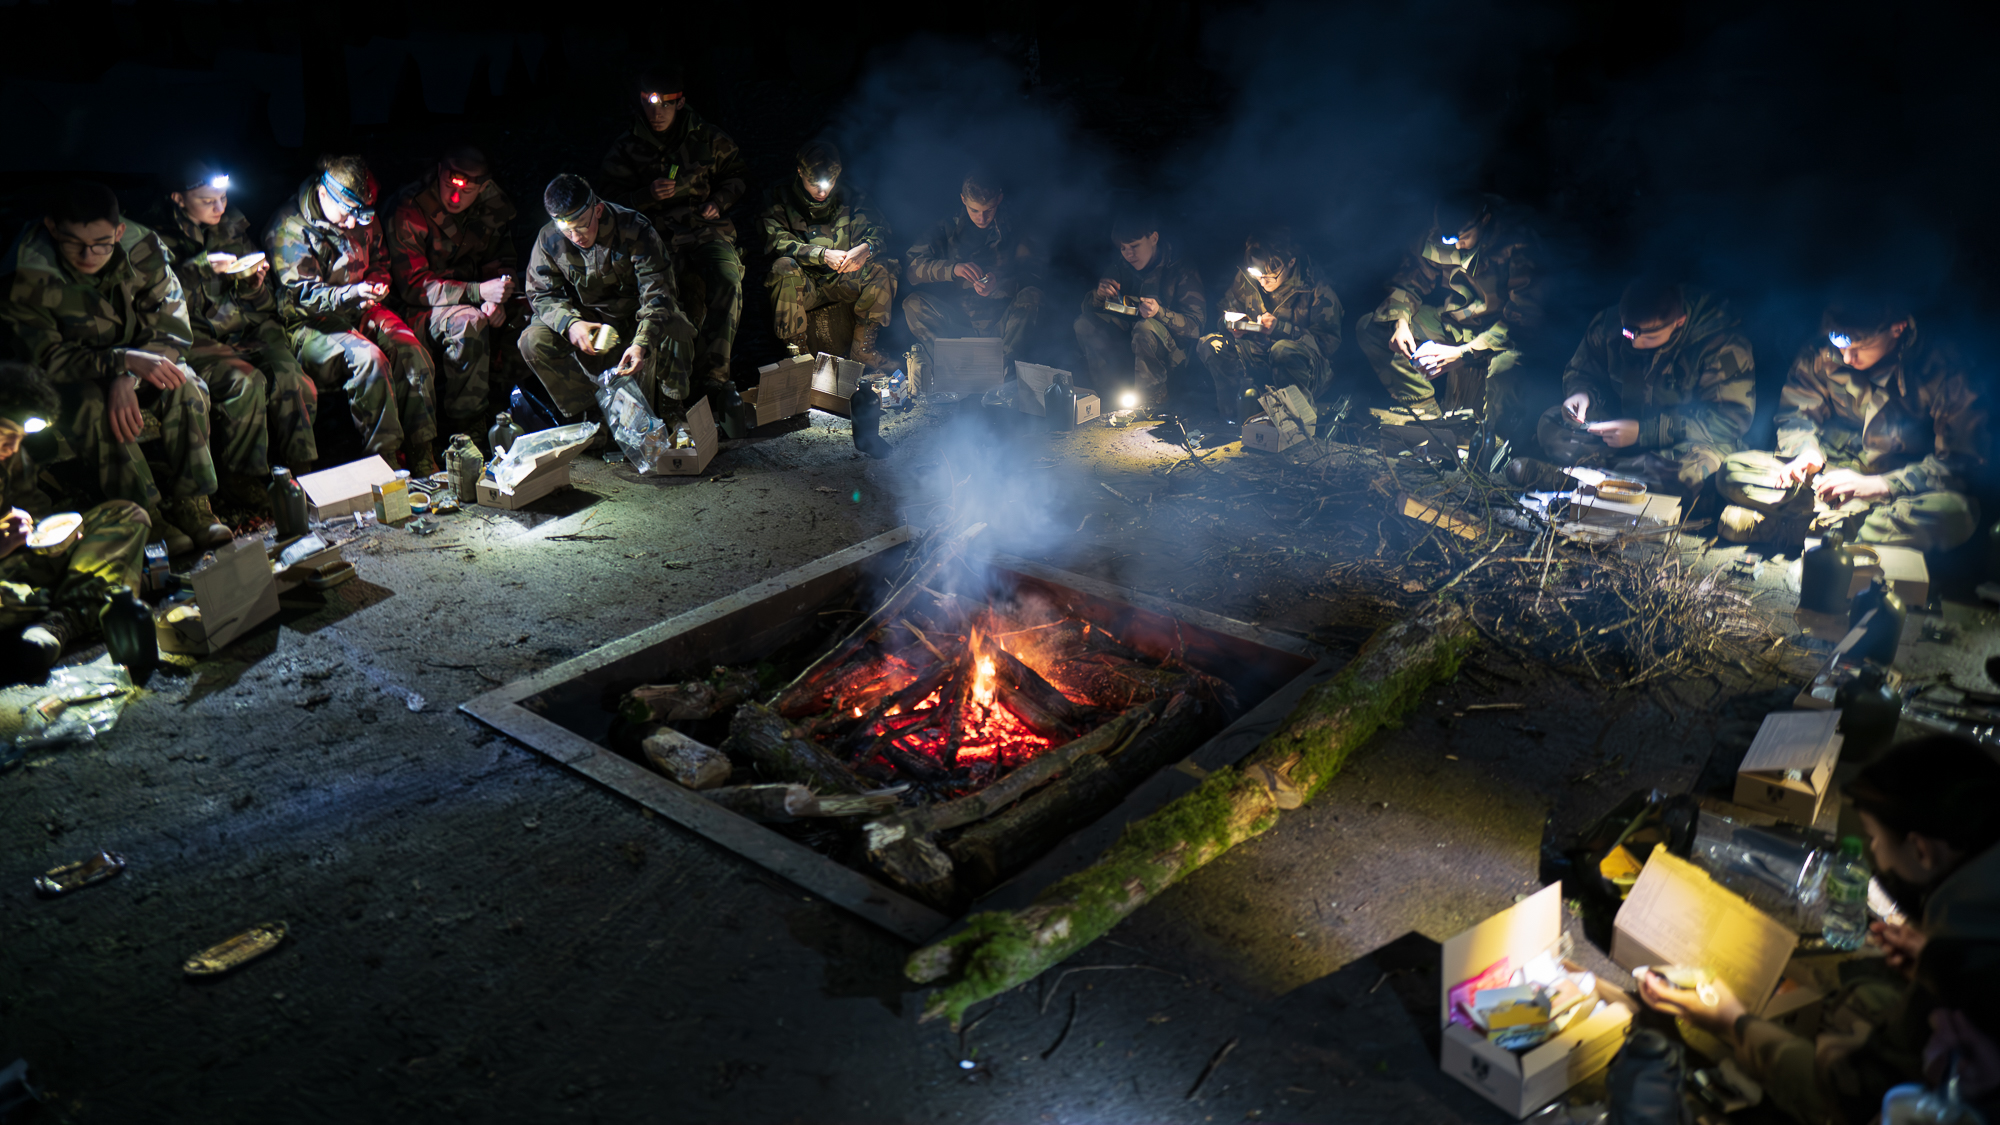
x=797 y=228
x=1914 y=418
x=316 y=262
x=1301 y=305
x=1699 y=388
x=437 y=258
x=77 y=327
x=706 y=168
x=21 y=486
x=221 y=309
x=625 y=278
x=1489 y=292
x=1166 y=279
x=1003 y=252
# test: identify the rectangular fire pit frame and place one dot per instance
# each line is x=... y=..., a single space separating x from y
x=563 y=712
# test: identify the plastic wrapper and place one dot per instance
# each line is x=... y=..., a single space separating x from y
x=1777 y=869
x=513 y=467
x=82 y=703
x=644 y=438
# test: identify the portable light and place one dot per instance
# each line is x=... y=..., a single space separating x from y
x=1448 y=239
x=34 y=425
x=1840 y=340
x=219 y=182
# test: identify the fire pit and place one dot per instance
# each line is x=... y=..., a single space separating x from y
x=972 y=741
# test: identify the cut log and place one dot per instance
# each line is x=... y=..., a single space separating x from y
x=918 y=868
x=760 y=737
x=781 y=802
x=1043 y=695
x=1029 y=710
x=1000 y=950
x=695 y=699
x=685 y=761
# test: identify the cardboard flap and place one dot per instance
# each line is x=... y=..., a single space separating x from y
x=1677 y=915
x=1795 y=740
x=1529 y=927
x=835 y=375
x=1035 y=383
x=701 y=425
x=971 y=365
x=229 y=588
x=346 y=488
x=1289 y=406
x=782 y=388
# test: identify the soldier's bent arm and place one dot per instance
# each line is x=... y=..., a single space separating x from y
x=869 y=227
x=1724 y=401
x=730 y=177
x=1961 y=421
x=549 y=291
x=159 y=306
x=298 y=270
x=1523 y=310
x=1190 y=309
x=416 y=283
x=780 y=238
x=1802 y=406
x=660 y=316
x=1407 y=288
x=34 y=325
x=1328 y=324
x=929 y=260
x=1586 y=372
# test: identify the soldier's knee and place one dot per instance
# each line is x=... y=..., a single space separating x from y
x=784 y=267
x=1028 y=298
x=1213 y=344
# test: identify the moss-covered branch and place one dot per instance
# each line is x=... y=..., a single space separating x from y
x=998 y=951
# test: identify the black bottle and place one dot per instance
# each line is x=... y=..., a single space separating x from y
x=1059 y=405
x=128 y=633
x=1826 y=574
x=288 y=505
x=1885 y=629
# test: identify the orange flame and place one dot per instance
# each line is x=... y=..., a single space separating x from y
x=985 y=672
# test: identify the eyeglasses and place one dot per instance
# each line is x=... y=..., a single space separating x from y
x=675 y=100
x=88 y=249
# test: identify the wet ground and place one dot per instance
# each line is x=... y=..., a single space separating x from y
x=478 y=934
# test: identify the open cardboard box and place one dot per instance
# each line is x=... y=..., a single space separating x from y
x=833 y=381
x=783 y=389
x=971 y=365
x=1522 y=1083
x=707 y=442
x=236 y=593
x=550 y=473
x=345 y=489
x=1806 y=741
x=1677 y=915
x=302 y=570
x=1287 y=418
x=1036 y=380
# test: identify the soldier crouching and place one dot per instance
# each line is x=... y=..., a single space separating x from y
x=828 y=240
x=1281 y=326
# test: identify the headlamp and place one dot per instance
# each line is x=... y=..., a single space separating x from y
x=577 y=218
x=1253 y=271
x=219 y=183
x=34 y=425
x=1448 y=239
x=665 y=99
x=1630 y=333
x=362 y=212
x=1840 y=340
x=823 y=185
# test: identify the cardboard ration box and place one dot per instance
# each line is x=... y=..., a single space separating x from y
x=231 y=596
x=783 y=389
x=345 y=489
x=301 y=559
x=1677 y=915
x=1285 y=418
x=972 y=365
x=707 y=442
x=551 y=472
x=1903 y=568
x=1031 y=396
x=1512 y=942
x=1838 y=670
x=1789 y=765
x=833 y=381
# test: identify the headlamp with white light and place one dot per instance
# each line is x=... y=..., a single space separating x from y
x=347 y=198
x=219 y=182
x=1448 y=239
x=1253 y=271
x=1840 y=340
x=579 y=218
x=34 y=425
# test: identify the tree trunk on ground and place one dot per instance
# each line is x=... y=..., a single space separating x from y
x=998 y=951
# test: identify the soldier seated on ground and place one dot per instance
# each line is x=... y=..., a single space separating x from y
x=597 y=266
x=1661 y=389
x=830 y=244
x=452 y=265
x=684 y=174
x=331 y=260
x=974 y=274
x=93 y=302
x=1141 y=349
x=260 y=399
x=1456 y=309
x=1877 y=426
x=50 y=598
x=1927 y=806
x=1287 y=334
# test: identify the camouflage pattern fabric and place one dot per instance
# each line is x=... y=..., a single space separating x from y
x=941 y=305
x=1915 y=417
x=707 y=168
x=570 y=375
x=437 y=261
x=77 y=328
x=1936 y=520
x=1693 y=397
x=1489 y=380
x=1145 y=348
x=800 y=232
x=719 y=269
x=260 y=397
x=108 y=550
x=338 y=336
x=626 y=280
x=1486 y=297
x=1298 y=351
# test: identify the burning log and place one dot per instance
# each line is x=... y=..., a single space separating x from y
x=997 y=951
x=1037 y=692
x=695 y=699
x=1030 y=711
x=761 y=736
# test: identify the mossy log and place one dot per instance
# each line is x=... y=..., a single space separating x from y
x=998 y=951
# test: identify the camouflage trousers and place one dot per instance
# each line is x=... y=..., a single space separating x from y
x=259 y=399
x=796 y=291
x=570 y=376
x=1237 y=366
x=719 y=270
x=1922 y=521
x=107 y=553
x=177 y=418
x=1687 y=468
x=949 y=314
x=1490 y=381
x=387 y=376
x=464 y=349
x=1118 y=349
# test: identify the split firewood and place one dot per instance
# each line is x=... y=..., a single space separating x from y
x=781 y=802
x=859 y=679
x=917 y=867
x=694 y=699
x=1029 y=710
x=999 y=951
x=759 y=736
x=1045 y=696
x=685 y=761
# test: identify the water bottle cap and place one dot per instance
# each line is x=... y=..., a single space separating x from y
x=1853 y=846
x=281 y=473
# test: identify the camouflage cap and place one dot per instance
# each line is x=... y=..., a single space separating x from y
x=197 y=174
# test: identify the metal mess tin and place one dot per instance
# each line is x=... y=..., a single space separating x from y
x=76 y=876
x=239 y=950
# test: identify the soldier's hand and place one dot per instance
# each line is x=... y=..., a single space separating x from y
x=121 y=403
x=1801 y=467
x=580 y=336
x=1106 y=289
x=633 y=359
x=494 y=312
x=158 y=370
x=1577 y=406
x=663 y=189
x=1402 y=339
x=1842 y=485
x=497 y=290
x=14 y=529
x=835 y=260
x=368 y=294
x=1436 y=359
x=711 y=212
x=1148 y=307
x=1268 y=321
x=966 y=271
x=984 y=287
x=1617 y=434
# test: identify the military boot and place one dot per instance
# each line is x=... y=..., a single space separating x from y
x=1424 y=408
x=1535 y=475
x=862 y=349
x=39 y=646
x=735 y=416
x=422 y=460
x=163 y=530
x=197 y=519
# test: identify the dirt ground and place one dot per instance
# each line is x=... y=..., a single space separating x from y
x=479 y=935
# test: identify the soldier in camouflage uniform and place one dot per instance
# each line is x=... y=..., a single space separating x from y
x=453 y=265
x=597 y=264
x=258 y=394
x=974 y=274
x=828 y=241
x=1458 y=307
x=329 y=252
x=91 y=300
x=684 y=174
x=48 y=600
x=1297 y=329
x=1661 y=389
x=1877 y=419
x=1143 y=349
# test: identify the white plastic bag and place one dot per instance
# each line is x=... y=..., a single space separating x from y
x=644 y=438
x=513 y=467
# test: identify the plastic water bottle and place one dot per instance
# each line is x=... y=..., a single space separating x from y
x=1846 y=925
